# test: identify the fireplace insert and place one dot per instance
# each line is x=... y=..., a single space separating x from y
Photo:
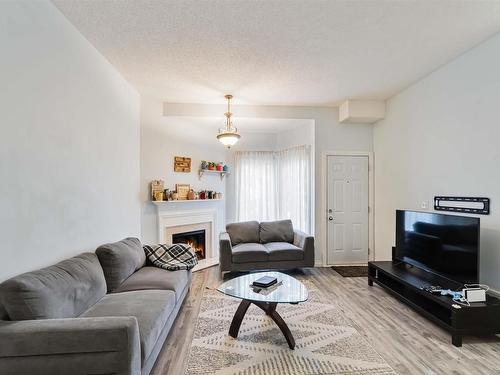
x=195 y=239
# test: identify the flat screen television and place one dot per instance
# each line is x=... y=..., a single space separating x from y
x=446 y=245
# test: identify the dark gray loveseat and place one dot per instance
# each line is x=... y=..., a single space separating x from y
x=103 y=313
x=252 y=245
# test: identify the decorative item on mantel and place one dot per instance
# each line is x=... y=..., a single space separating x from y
x=183 y=190
x=182 y=164
x=204 y=195
x=157 y=190
x=209 y=194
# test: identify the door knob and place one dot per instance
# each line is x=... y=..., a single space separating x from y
x=330 y=218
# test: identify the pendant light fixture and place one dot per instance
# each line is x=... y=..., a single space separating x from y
x=229 y=135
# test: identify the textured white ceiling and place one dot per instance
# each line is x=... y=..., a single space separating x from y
x=280 y=52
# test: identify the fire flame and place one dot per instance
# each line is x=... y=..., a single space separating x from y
x=199 y=250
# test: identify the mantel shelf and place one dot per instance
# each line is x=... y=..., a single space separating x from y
x=222 y=174
x=158 y=203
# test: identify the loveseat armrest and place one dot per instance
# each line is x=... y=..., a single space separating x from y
x=225 y=252
x=306 y=243
x=76 y=346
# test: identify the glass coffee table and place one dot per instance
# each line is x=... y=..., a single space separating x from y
x=287 y=290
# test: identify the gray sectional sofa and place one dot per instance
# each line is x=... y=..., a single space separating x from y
x=252 y=245
x=102 y=313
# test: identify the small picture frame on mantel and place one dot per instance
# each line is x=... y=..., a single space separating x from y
x=182 y=190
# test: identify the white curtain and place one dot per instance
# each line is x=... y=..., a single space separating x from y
x=294 y=171
x=256 y=184
x=274 y=185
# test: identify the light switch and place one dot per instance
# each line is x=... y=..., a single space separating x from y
x=424 y=205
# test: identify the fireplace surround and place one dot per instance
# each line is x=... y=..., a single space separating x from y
x=173 y=223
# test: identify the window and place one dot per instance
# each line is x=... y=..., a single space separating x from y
x=274 y=185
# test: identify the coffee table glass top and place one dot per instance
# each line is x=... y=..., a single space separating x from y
x=287 y=290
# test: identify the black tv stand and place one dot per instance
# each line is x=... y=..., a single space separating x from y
x=406 y=283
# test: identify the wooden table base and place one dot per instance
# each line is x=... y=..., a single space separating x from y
x=270 y=310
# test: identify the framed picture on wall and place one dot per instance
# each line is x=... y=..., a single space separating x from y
x=182 y=164
x=182 y=190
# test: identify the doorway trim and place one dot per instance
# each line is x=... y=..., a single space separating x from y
x=371 y=200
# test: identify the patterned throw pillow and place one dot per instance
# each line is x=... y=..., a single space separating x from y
x=174 y=257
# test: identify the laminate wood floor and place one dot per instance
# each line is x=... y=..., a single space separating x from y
x=408 y=342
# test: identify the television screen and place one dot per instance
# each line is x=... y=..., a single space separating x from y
x=447 y=245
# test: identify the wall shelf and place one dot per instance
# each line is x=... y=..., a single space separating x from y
x=222 y=174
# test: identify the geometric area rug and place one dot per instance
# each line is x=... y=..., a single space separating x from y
x=326 y=341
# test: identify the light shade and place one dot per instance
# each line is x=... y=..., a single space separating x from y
x=229 y=135
x=228 y=139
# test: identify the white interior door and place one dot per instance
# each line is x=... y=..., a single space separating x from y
x=347 y=216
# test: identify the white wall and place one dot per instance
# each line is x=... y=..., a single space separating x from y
x=301 y=135
x=255 y=142
x=441 y=136
x=162 y=138
x=69 y=142
x=329 y=135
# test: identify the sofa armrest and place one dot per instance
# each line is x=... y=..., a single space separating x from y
x=77 y=345
x=225 y=252
x=306 y=243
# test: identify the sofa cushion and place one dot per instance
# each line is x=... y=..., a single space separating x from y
x=283 y=251
x=63 y=290
x=152 y=309
x=250 y=252
x=244 y=232
x=156 y=278
x=120 y=259
x=276 y=231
